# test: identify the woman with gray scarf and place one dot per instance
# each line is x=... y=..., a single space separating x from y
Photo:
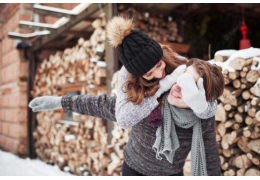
x=162 y=151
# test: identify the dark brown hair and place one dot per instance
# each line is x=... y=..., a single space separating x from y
x=137 y=87
x=213 y=79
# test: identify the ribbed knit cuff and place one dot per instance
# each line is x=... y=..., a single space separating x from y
x=66 y=102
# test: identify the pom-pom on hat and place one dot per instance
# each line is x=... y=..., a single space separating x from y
x=138 y=52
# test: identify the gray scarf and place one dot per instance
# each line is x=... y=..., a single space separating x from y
x=167 y=141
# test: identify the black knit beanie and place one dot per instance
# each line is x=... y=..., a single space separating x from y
x=138 y=52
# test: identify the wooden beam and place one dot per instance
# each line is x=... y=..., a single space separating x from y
x=31 y=121
x=73 y=21
x=83 y=34
x=35 y=25
x=111 y=61
x=51 y=11
x=16 y=35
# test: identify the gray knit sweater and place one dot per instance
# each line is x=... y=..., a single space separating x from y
x=138 y=153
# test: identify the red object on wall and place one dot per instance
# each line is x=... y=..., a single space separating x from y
x=244 y=43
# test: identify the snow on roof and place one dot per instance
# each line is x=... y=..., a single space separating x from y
x=227 y=52
x=45 y=32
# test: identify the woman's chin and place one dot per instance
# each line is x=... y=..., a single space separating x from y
x=172 y=100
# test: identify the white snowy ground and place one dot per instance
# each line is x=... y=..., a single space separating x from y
x=12 y=165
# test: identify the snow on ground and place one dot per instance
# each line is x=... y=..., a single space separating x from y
x=12 y=165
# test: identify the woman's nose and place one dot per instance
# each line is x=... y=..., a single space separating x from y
x=158 y=74
x=177 y=88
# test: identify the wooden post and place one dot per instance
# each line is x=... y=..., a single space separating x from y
x=111 y=60
x=31 y=121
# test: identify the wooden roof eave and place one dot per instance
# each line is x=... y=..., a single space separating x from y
x=92 y=8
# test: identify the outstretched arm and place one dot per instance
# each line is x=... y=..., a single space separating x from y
x=102 y=106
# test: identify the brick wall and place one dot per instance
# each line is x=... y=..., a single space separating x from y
x=13 y=91
x=13 y=97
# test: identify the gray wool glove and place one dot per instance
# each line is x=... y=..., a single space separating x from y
x=193 y=94
x=45 y=103
x=166 y=83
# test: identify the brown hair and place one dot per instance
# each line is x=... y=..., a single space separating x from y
x=213 y=79
x=137 y=87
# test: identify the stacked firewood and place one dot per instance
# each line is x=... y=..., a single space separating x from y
x=238 y=115
x=79 y=146
x=154 y=26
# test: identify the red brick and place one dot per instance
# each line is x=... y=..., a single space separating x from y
x=14 y=115
x=5 y=128
x=8 y=45
x=23 y=86
x=11 y=24
x=18 y=130
x=23 y=71
x=10 y=73
x=0 y=127
x=15 y=100
x=1 y=140
x=25 y=16
x=11 y=57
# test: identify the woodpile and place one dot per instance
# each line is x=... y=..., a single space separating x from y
x=79 y=146
x=154 y=26
x=238 y=117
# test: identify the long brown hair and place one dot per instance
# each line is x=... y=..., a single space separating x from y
x=137 y=87
x=213 y=79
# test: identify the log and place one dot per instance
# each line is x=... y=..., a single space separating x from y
x=236 y=83
x=246 y=85
x=252 y=76
x=221 y=114
x=255 y=90
x=242 y=144
x=232 y=114
x=257 y=116
x=255 y=101
x=247 y=131
x=241 y=172
x=221 y=129
x=239 y=63
x=254 y=145
x=219 y=58
x=229 y=123
x=256 y=159
x=252 y=172
x=243 y=161
x=252 y=111
x=234 y=75
x=246 y=95
x=239 y=117
x=243 y=74
x=229 y=107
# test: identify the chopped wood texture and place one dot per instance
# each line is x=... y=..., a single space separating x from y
x=238 y=119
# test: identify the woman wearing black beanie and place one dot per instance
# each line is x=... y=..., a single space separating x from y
x=145 y=66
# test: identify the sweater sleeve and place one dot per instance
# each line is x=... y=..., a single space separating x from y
x=127 y=113
x=211 y=147
x=210 y=111
x=101 y=106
